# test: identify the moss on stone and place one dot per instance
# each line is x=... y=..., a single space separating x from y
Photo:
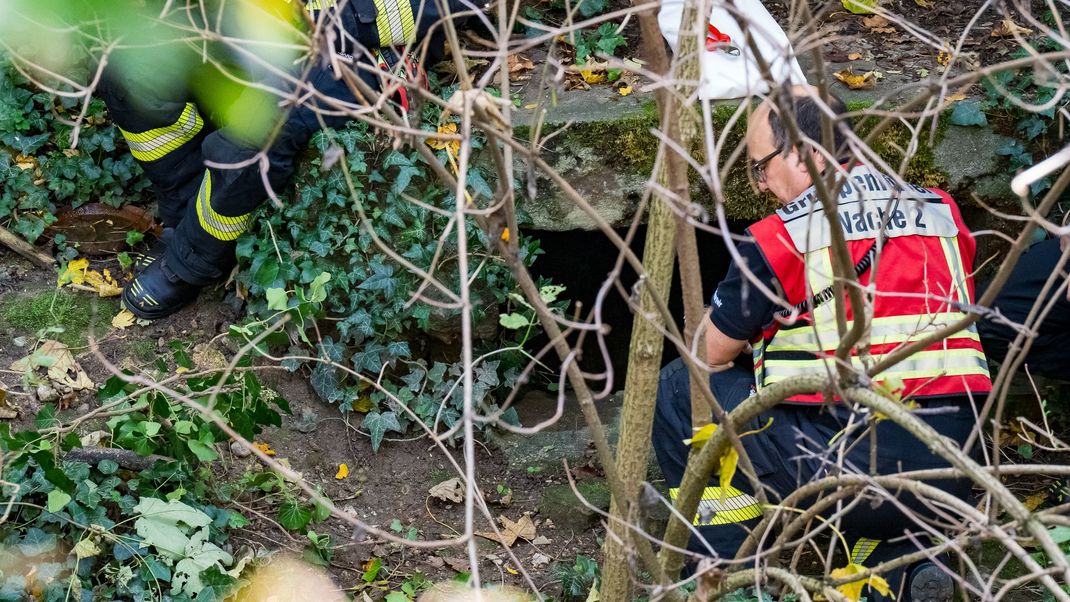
x=627 y=142
x=76 y=314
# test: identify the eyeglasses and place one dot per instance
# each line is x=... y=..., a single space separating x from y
x=757 y=168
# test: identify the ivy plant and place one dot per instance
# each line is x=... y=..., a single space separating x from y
x=328 y=261
x=39 y=172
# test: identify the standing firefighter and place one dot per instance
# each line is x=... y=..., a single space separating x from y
x=209 y=172
x=910 y=246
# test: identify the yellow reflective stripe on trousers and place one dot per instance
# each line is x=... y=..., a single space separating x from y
x=884 y=330
x=221 y=227
x=735 y=508
x=154 y=144
x=394 y=20
x=924 y=364
x=862 y=549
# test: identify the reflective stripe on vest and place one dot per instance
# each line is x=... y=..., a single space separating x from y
x=809 y=348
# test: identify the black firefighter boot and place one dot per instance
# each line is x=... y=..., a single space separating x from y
x=140 y=261
x=158 y=292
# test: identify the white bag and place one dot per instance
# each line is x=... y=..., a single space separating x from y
x=724 y=75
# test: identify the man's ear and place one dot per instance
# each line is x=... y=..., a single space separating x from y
x=818 y=158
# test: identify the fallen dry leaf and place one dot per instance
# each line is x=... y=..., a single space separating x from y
x=24 y=162
x=511 y=531
x=1034 y=501
x=861 y=81
x=539 y=560
x=122 y=320
x=624 y=90
x=264 y=448
x=878 y=24
x=449 y=491
x=452 y=147
x=60 y=364
x=1008 y=28
x=7 y=412
x=924 y=3
x=519 y=63
x=531 y=105
x=104 y=284
x=591 y=76
x=854 y=56
x=458 y=564
x=955 y=97
x=74 y=272
x=943 y=58
x=450 y=68
x=343 y=471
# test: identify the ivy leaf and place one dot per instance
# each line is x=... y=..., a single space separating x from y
x=57 y=500
x=382 y=279
x=158 y=525
x=513 y=321
x=377 y=424
x=294 y=516
x=267 y=272
x=276 y=299
x=967 y=113
x=204 y=452
x=325 y=382
x=317 y=291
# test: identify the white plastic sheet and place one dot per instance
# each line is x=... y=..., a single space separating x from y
x=724 y=75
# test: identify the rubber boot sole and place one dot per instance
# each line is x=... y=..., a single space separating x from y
x=930 y=584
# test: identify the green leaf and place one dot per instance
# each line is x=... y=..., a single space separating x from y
x=204 y=452
x=57 y=500
x=267 y=273
x=372 y=571
x=377 y=425
x=165 y=525
x=514 y=321
x=108 y=467
x=397 y=597
x=133 y=237
x=276 y=299
x=317 y=290
x=968 y=113
x=1059 y=534
x=46 y=418
x=294 y=516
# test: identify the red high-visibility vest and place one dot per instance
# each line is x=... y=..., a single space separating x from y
x=923 y=271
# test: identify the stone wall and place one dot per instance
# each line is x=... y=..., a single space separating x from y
x=602 y=144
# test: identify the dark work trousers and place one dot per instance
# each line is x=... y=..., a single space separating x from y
x=1048 y=355
x=210 y=207
x=794 y=449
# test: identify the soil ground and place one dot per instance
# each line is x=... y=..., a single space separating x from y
x=393 y=484
x=382 y=487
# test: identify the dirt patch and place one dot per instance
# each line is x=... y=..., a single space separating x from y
x=387 y=489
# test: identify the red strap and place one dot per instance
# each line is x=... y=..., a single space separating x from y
x=714 y=38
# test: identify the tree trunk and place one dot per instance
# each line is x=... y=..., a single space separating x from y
x=644 y=355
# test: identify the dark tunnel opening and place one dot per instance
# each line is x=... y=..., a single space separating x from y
x=581 y=260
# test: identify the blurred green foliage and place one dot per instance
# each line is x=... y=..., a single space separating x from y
x=39 y=172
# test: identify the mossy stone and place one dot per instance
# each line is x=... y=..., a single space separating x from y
x=559 y=504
